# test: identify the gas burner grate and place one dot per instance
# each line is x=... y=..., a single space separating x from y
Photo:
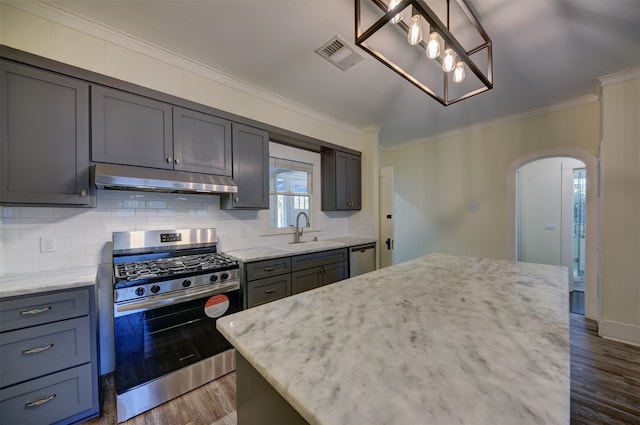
x=172 y=266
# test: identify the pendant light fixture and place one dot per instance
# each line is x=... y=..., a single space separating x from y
x=451 y=55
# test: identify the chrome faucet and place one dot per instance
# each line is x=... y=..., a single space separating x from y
x=298 y=231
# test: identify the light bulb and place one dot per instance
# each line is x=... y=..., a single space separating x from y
x=414 y=36
x=433 y=46
x=458 y=72
x=392 y=5
x=449 y=60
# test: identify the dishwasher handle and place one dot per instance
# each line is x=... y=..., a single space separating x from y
x=363 y=248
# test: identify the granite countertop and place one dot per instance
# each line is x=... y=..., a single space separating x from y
x=286 y=250
x=48 y=280
x=439 y=340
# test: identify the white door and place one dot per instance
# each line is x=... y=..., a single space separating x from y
x=386 y=217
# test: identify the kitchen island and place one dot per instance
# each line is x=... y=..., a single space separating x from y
x=435 y=340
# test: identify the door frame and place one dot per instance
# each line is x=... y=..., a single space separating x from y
x=386 y=228
x=592 y=291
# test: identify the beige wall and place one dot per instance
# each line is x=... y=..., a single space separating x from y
x=621 y=209
x=439 y=183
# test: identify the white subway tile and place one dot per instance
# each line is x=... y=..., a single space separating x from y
x=54 y=264
x=22 y=245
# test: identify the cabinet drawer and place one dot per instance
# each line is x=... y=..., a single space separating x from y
x=316 y=259
x=49 y=399
x=269 y=289
x=28 y=353
x=268 y=268
x=36 y=310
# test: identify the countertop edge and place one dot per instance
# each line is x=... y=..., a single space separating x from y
x=13 y=285
x=270 y=252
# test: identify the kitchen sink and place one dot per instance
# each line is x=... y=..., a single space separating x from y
x=311 y=245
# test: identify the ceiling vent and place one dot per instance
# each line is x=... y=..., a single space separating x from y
x=339 y=53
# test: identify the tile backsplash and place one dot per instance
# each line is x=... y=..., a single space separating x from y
x=82 y=236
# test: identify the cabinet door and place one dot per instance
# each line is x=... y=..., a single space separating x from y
x=341 y=181
x=201 y=142
x=305 y=280
x=334 y=273
x=250 y=168
x=44 y=137
x=129 y=129
x=354 y=182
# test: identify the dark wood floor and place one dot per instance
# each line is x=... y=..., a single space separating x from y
x=605 y=388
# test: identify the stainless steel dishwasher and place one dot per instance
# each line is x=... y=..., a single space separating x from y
x=362 y=259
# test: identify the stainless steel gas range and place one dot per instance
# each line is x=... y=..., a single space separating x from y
x=169 y=289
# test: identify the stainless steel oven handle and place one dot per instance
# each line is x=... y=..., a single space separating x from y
x=163 y=300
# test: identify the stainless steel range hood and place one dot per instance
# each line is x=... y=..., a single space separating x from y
x=111 y=176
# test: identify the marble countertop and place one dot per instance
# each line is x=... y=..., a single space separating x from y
x=286 y=250
x=48 y=280
x=438 y=340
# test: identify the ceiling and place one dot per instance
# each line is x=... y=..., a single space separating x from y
x=545 y=52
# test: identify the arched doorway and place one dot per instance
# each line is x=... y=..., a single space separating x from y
x=592 y=258
x=550 y=212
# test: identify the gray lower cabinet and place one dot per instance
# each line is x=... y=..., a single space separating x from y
x=44 y=138
x=48 y=358
x=250 y=169
x=341 y=181
x=266 y=280
x=269 y=280
x=318 y=269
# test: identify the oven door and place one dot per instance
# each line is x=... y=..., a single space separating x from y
x=153 y=339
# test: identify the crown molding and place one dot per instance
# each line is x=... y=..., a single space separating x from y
x=59 y=15
x=571 y=103
x=619 y=77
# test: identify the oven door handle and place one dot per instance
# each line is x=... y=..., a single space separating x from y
x=156 y=301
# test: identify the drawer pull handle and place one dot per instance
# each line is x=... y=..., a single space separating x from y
x=41 y=401
x=269 y=269
x=269 y=291
x=35 y=311
x=37 y=349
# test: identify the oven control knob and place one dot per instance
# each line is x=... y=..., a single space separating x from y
x=139 y=292
x=213 y=278
x=155 y=289
x=224 y=276
x=186 y=283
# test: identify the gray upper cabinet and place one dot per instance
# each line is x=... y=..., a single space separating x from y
x=201 y=142
x=135 y=130
x=250 y=168
x=129 y=129
x=44 y=135
x=341 y=181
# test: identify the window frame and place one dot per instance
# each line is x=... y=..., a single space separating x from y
x=296 y=154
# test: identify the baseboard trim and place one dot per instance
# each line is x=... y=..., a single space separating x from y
x=621 y=332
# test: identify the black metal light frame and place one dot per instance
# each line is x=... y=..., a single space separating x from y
x=443 y=30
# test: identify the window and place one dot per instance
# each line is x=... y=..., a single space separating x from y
x=294 y=184
x=290 y=186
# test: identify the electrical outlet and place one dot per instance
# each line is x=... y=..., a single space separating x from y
x=47 y=244
x=243 y=233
